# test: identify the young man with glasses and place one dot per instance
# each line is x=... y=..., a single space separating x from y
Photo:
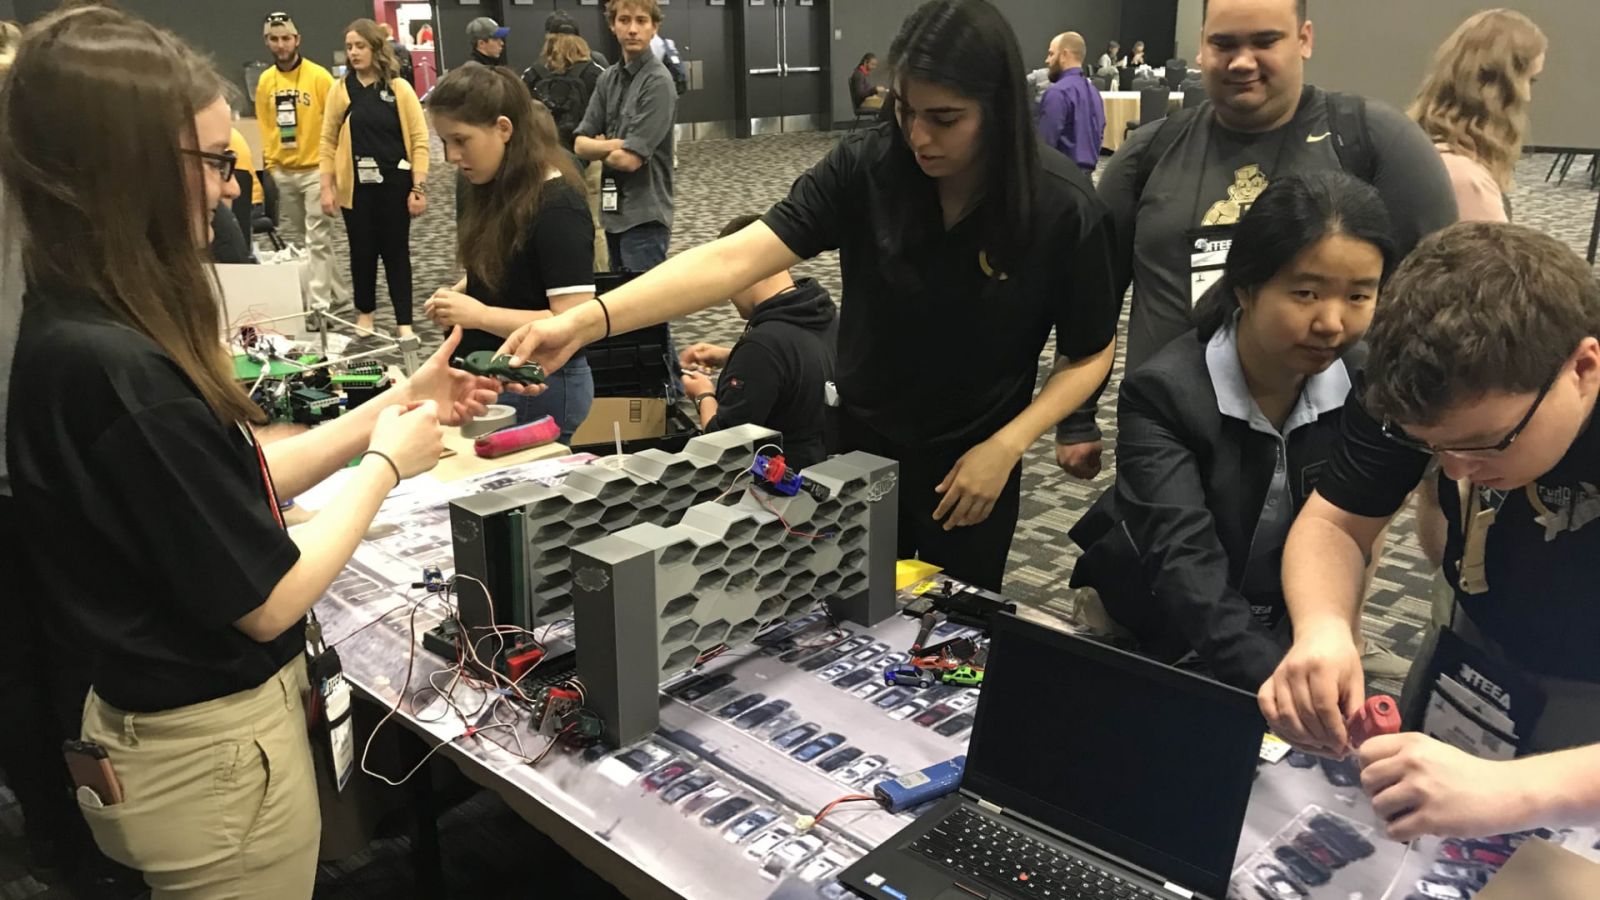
x=1485 y=354
x=290 y=101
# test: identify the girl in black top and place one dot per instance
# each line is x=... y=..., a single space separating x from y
x=961 y=247
x=152 y=521
x=1222 y=437
x=525 y=236
x=375 y=168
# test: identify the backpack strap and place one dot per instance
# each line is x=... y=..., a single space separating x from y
x=1352 y=140
x=1168 y=132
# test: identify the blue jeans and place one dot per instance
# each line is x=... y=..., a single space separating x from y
x=640 y=248
x=568 y=398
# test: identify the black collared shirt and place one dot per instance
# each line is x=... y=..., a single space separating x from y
x=375 y=131
x=1542 y=556
x=955 y=361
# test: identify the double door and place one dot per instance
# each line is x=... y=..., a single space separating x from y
x=786 y=61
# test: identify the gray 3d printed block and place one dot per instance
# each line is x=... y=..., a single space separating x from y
x=651 y=601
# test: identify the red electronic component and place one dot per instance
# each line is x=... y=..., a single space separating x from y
x=1379 y=715
x=510 y=440
x=519 y=663
x=775 y=468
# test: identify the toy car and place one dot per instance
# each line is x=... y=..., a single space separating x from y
x=909 y=676
x=967 y=675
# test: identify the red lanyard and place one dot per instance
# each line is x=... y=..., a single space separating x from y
x=266 y=476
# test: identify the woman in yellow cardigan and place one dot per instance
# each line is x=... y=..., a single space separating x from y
x=375 y=168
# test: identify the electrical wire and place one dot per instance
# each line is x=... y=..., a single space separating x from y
x=823 y=813
x=1398 y=870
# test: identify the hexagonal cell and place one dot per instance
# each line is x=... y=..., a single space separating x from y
x=827 y=509
x=680 y=659
x=770 y=534
x=616 y=518
x=678 y=473
x=771 y=583
x=677 y=501
x=742 y=632
x=798 y=606
x=616 y=491
x=802 y=583
x=586 y=534
x=712 y=634
x=741 y=532
x=712 y=580
x=679 y=632
x=853 y=584
x=740 y=557
x=560 y=579
x=678 y=607
x=851 y=537
x=828 y=583
x=852 y=513
x=771 y=559
x=584 y=513
x=556 y=607
x=647 y=495
x=741 y=581
x=853 y=560
x=710 y=556
x=551 y=561
x=676 y=554
x=771 y=607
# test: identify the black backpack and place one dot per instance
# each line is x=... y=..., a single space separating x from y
x=1347 y=122
x=566 y=96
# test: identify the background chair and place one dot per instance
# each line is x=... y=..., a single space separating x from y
x=267 y=223
x=1152 y=108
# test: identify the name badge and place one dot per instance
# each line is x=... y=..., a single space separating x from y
x=337 y=736
x=367 y=171
x=1208 y=255
x=609 y=196
x=288 y=119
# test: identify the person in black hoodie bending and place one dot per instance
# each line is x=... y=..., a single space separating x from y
x=777 y=374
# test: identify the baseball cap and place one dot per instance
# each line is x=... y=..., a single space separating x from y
x=560 y=22
x=483 y=28
x=279 y=20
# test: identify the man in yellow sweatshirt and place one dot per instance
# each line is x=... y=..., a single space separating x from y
x=290 y=101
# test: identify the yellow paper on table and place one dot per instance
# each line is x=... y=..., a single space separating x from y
x=910 y=571
x=1543 y=870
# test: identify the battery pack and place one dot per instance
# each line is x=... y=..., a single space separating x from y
x=917 y=788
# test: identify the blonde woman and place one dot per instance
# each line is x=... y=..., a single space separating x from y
x=568 y=83
x=375 y=168
x=1474 y=105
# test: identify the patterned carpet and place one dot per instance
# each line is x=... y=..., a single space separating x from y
x=717 y=180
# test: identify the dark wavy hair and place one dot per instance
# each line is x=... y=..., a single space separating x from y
x=968 y=47
x=1292 y=214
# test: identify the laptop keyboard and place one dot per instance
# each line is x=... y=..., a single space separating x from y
x=982 y=848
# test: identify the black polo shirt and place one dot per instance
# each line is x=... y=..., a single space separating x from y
x=951 y=363
x=375 y=124
x=149 y=527
x=1542 y=557
x=555 y=257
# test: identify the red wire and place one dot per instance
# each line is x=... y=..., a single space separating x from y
x=848 y=798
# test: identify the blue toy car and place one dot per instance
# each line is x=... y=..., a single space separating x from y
x=909 y=676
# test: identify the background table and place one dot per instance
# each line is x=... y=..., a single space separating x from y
x=1122 y=107
x=602 y=805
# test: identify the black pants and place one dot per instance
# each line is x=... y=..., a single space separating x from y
x=380 y=226
x=975 y=554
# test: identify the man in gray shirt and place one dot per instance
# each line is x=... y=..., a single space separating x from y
x=1176 y=189
x=628 y=128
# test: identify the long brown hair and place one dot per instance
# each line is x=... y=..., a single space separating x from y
x=106 y=193
x=496 y=217
x=563 y=51
x=383 y=56
x=1475 y=97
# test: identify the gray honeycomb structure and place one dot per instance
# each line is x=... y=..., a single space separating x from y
x=650 y=601
x=518 y=540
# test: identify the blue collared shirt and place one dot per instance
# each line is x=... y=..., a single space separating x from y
x=1322 y=393
x=1072 y=118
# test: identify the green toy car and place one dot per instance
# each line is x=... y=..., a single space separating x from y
x=488 y=365
x=970 y=676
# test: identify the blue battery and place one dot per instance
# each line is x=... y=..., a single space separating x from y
x=916 y=788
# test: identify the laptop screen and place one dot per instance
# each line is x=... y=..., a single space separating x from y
x=1137 y=759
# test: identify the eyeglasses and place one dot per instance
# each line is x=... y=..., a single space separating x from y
x=1394 y=432
x=224 y=162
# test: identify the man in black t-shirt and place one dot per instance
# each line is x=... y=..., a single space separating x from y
x=777 y=375
x=1176 y=189
x=1485 y=353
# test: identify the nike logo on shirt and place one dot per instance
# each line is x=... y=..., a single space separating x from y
x=1315 y=138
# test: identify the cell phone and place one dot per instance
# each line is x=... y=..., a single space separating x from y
x=91 y=768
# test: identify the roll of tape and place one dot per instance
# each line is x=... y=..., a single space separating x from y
x=496 y=418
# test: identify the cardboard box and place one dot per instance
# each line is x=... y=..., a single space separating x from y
x=639 y=417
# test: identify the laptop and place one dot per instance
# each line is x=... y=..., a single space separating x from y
x=1091 y=773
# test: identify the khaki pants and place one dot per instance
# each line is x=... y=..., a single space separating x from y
x=300 y=203
x=602 y=256
x=220 y=798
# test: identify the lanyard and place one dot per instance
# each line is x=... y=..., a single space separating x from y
x=266 y=475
